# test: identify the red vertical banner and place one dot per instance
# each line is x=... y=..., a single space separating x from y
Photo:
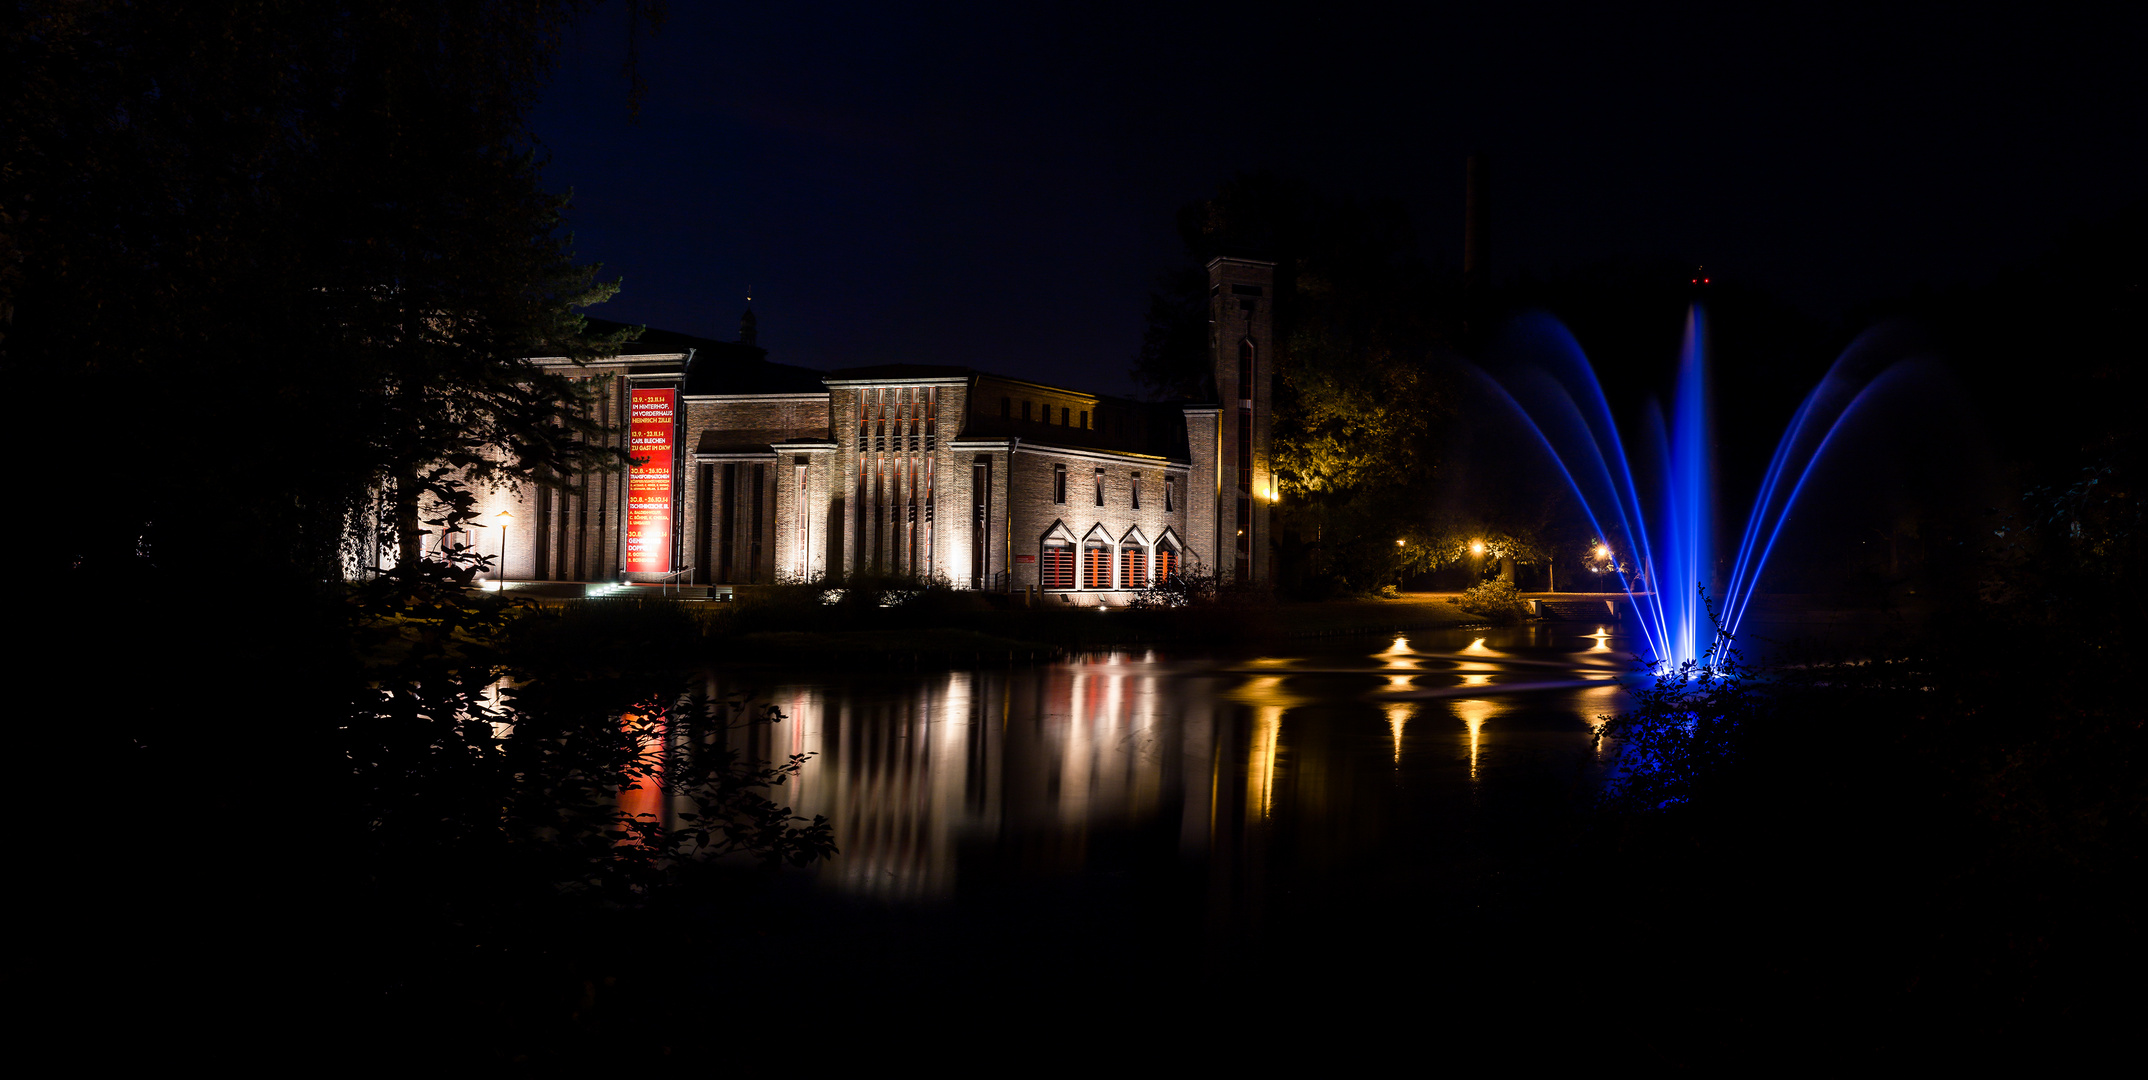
x=648 y=517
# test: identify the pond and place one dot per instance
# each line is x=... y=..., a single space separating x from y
x=1111 y=804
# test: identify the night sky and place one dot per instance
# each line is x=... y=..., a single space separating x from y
x=995 y=185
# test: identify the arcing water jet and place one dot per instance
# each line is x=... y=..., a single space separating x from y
x=1668 y=529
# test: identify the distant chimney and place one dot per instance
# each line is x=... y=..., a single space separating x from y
x=1476 y=228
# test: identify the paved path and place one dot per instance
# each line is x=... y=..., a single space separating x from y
x=1415 y=609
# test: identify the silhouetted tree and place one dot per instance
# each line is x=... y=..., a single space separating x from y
x=298 y=253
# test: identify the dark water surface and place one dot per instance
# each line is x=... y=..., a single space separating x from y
x=1334 y=804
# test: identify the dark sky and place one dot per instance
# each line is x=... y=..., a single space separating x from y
x=994 y=185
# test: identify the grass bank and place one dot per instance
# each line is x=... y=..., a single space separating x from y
x=793 y=626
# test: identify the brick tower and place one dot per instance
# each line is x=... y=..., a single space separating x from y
x=1241 y=310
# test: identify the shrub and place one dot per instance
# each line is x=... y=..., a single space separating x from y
x=1686 y=732
x=1191 y=586
x=1495 y=600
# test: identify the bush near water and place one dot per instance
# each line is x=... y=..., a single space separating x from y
x=1497 y=601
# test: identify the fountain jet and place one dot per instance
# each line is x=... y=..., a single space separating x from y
x=1667 y=532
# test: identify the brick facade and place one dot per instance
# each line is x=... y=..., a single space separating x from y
x=784 y=474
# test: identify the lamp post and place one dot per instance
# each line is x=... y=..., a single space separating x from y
x=505 y=520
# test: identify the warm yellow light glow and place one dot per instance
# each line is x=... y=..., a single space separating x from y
x=1260 y=772
x=1476 y=547
x=1398 y=655
x=1398 y=543
x=1270 y=699
x=504 y=516
x=1602 y=552
x=1474 y=713
x=1397 y=715
x=1476 y=646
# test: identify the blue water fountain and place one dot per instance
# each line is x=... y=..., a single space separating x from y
x=1667 y=531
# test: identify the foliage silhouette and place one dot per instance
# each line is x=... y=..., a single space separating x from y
x=1495 y=600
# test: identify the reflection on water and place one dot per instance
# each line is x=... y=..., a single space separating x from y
x=1474 y=713
x=1398 y=715
x=930 y=780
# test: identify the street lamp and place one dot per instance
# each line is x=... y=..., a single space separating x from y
x=1476 y=547
x=505 y=520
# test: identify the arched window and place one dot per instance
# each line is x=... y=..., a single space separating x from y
x=1168 y=559
x=1095 y=564
x=1133 y=566
x=1056 y=569
x=1245 y=370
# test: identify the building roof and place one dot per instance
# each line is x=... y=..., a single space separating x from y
x=1118 y=426
x=899 y=373
x=720 y=367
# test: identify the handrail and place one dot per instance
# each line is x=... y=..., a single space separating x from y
x=674 y=576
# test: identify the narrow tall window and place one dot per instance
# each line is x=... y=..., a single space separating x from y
x=1133 y=492
x=1166 y=561
x=1245 y=451
x=1059 y=483
x=1006 y=408
x=1100 y=487
x=760 y=525
x=1244 y=562
x=1065 y=415
x=1025 y=410
x=1085 y=420
x=980 y=528
x=932 y=499
x=858 y=515
x=1170 y=502
x=727 y=538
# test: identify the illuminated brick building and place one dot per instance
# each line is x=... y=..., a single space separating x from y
x=758 y=472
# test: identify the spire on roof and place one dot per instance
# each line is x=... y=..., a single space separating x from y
x=747 y=330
